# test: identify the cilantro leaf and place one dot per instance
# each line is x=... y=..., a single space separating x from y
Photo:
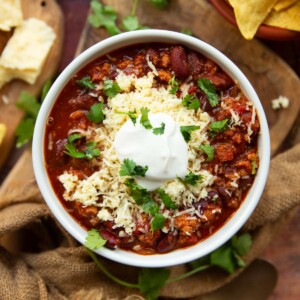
x=159 y=130
x=111 y=88
x=191 y=102
x=208 y=150
x=94 y=240
x=137 y=192
x=24 y=131
x=186 y=31
x=72 y=151
x=242 y=243
x=91 y=150
x=103 y=16
x=150 y=207
x=74 y=137
x=96 y=114
x=86 y=82
x=166 y=199
x=187 y=130
x=144 y=118
x=45 y=89
x=29 y=104
x=223 y=257
x=158 y=222
x=254 y=167
x=152 y=280
x=131 y=114
x=130 y=168
x=159 y=3
x=130 y=23
x=174 y=85
x=219 y=126
x=192 y=179
x=208 y=88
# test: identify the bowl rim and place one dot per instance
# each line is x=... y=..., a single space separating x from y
x=176 y=257
x=264 y=31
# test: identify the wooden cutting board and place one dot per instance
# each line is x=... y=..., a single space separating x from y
x=268 y=73
x=10 y=115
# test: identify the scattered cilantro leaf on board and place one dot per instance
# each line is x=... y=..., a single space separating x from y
x=166 y=199
x=191 y=102
x=130 y=23
x=130 y=168
x=29 y=104
x=187 y=130
x=111 y=88
x=86 y=82
x=131 y=114
x=159 y=3
x=145 y=118
x=173 y=83
x=24 y=131
x=103 y=16
x=45 y=89
x=158 y=222
x=96 y=114
x=218 y=126
x=192 y=179
x=159 y=130
x=186 y=31
x=94 y=240
x=210 y=91
x=209 y=150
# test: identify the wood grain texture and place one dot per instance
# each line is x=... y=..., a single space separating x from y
x=48 y=11
x=268 y=73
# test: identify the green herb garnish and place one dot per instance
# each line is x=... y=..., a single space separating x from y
x=96 y=114
x=186 y=31
x=24 y=131
x=144 y=118
x=111 y=88
x=191 y=179
x=208 y=150
x=137 y=192
x=218 y=126
x=159 y=3
x=29 y=104
x=208 y=88
x=166 y=199
x=150 y=207
x=89 y=151
x=173 y=83
x=86 y=82
x=159 y=130
x=130 y=168
x=103 y=16
x=45 y=89
x=158 y=222
x=254 y=166
x=94 y=240
x=131 y=114
x=191 y=102
x=187 y=130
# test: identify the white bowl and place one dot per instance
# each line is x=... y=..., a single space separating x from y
x=177 y=256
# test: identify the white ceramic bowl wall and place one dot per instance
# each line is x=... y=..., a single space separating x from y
x=178 y=256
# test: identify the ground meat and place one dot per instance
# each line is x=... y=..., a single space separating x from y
x=225 y=152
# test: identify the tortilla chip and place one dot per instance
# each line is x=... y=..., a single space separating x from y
x=11 y=14
x=250 y=14
x=2 y=132
x=283 y=4
x=288 y=18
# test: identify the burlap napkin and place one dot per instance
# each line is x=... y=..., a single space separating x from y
x=39 y=260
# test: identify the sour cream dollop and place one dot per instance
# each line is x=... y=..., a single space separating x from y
x=166 y=155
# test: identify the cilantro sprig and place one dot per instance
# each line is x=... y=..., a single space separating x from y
x=166 y=199
x=187 y=130
x=131 y=114
x=130 y=168
x=89 y=151
x=86 y=82
x=218 y=126
x=111 y=88
x=158 y=222
x=173 y=83
x=159 y=130
x=191 y=102
x=96 y=113
x=31 y=106
x=94 y=240
x=191 y=179
x=210 y=91
x=209 y=150
x=145 y=118
x=228 y=257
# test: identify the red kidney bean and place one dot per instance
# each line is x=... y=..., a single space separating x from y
x=195 y=65
x=167 y=243
x=179 y=62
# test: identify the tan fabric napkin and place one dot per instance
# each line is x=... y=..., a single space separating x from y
x=40 y=260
